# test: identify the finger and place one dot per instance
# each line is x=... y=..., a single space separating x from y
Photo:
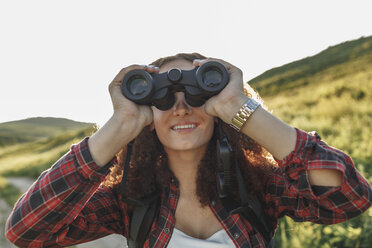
x=149 y=68
x=116 y=82
x=199 y=62
x=209 y=106
x=196 y=62
x=152 y=69
x=125 y=70
x=235 y=73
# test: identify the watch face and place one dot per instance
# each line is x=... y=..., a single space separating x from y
x=243 y=114
x=252 y=104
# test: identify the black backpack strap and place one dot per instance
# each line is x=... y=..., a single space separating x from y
x=252 y=210
x=141 y=221
x=138 y=215
x=257 y=222
x=250 y=207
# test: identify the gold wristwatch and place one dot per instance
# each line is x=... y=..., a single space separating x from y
x=243 y=114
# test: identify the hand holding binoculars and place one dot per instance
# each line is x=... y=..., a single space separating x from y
x=198 y=84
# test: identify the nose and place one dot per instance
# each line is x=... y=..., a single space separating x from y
x=180 y=107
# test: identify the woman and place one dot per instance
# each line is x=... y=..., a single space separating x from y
x=174 y=152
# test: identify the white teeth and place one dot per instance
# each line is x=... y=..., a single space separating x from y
x=183 y=127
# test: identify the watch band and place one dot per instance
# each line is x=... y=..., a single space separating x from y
x=243 y=114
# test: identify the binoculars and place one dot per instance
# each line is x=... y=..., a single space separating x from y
x=198 y=84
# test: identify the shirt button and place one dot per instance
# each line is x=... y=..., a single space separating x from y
x=171 y=196
x=236 y=235
x=213 y=203
x=166 y=230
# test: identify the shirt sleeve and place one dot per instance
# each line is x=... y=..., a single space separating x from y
x=66 y=205
x=289 y=192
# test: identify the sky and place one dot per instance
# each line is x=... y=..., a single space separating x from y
x=57 y=58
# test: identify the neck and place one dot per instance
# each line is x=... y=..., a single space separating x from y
x=184 y=165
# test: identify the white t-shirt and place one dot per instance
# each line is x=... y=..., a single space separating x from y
x=220 y=239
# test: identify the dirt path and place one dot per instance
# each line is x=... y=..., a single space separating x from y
x=4 y=213
x=23 y=183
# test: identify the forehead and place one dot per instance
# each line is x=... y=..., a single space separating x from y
x=179 y=63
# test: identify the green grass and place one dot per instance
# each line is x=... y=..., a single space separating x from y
x=8 y=192
x=299 y=73
x=30 y=159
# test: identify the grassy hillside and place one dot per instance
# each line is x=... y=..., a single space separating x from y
x=330 y=93
x=299 y=73
x=31 y=129
x=31 y=158
x=47 y=139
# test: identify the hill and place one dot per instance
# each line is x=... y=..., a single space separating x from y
x=32 y=129
x=334 y=98
x=299 y=73
x=33 y=157
x=32 y=145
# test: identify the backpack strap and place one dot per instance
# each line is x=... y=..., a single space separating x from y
x=252 y=210
x=250 y=207
x=141 y=221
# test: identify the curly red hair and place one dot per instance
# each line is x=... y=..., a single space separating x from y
x=149 y=169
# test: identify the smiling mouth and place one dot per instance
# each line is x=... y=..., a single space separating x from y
x=183 y=127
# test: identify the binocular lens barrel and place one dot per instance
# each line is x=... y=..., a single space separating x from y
x=212 y=77
x=137 y=85
x=198 y=84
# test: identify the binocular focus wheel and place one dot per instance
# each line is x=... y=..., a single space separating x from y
x=174 y=74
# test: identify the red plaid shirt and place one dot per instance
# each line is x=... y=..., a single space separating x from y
x=67 y=205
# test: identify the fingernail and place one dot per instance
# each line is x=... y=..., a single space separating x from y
x=197 y=60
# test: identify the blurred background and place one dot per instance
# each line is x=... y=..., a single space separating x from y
x=311 y=61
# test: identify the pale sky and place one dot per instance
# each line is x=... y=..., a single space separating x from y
x=58 y=57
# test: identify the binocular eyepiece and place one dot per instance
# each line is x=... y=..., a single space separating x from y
x=198 y=84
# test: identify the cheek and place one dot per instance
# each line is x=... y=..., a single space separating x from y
x=210 y=130
x=159 y=131
x=159 y=125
